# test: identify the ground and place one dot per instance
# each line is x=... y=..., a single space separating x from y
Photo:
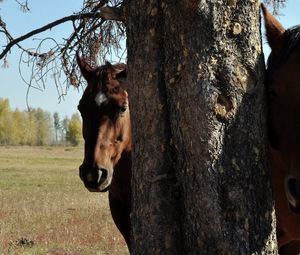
x=45 y=208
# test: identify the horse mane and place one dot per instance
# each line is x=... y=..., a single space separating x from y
x=291 y=41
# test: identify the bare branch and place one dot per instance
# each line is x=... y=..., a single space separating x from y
x=98 y=33
x=98 y=30
x=24 y=6
x=10 y=38
x=112 y=13
x=109 y=13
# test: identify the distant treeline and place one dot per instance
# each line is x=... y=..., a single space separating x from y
x=37 y=127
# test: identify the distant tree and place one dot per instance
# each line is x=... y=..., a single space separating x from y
x=4 y=121
x=32 y=128
x=27 y=128
x=4 y=106
x=64 y=128
x=57 y=125
x=36 y=127
x=73 y=134
x=43 y=126
x=18 y=128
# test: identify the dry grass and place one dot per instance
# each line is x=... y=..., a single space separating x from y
x=45 y=209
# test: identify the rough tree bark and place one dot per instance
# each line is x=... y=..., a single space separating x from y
x=200 y=176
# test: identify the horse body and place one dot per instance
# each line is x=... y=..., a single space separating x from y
x=106 y=131
x=283 y=84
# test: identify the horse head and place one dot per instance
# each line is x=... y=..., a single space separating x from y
x=283 y=84
x=105 y=123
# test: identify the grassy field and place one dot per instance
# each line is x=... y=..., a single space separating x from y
x=45 y=209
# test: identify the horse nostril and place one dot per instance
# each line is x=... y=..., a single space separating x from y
x=89 y=176
x=95 y=179
x=292 y=186
x=102 y=175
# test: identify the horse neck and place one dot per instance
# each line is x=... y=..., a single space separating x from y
x=124 y=124
x=278 y=174
x=120 y=187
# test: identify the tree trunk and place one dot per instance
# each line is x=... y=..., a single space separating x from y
x=200 y=175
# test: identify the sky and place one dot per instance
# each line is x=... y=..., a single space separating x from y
x=43 y=12
x=11 y=86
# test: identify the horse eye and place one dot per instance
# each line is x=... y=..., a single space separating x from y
x=123 y=109
x=115 y=90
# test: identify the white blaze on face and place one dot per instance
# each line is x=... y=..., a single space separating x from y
x=100 y=98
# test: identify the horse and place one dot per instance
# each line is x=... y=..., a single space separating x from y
x=106 y=131
x=283 y=96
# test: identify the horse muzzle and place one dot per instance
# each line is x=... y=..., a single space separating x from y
x=292 y=191
x=96 y=180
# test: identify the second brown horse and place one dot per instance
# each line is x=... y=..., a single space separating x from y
x=283 y=84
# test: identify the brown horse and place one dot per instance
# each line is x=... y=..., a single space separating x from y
x=107 y=136
x=283 y=84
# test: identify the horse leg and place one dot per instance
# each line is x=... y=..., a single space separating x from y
x=121 y=216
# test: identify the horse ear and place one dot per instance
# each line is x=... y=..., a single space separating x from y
x=122 y=77
x=85 y=68
x=119 y=67
x=274 y=30
x=118 y=72
x=121 y=72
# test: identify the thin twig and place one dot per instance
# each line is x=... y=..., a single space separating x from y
x=110 y=13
